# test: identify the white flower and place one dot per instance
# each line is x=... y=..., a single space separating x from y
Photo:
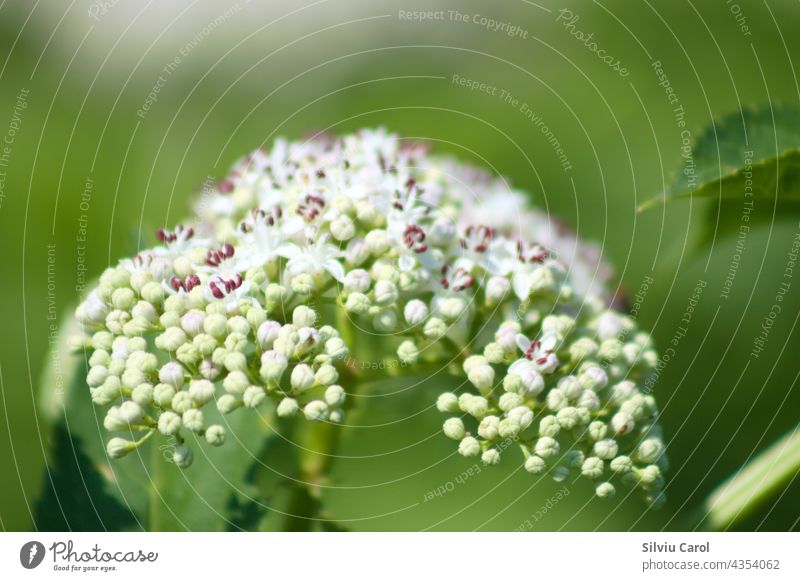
x=538 y=353
x=315 y=259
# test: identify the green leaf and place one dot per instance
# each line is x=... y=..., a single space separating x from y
x=755 y=151
x=148 y=491
x=75 y=496
x=755 y=483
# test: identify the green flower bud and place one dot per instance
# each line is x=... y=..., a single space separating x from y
x=447 y=403
x=169 y=423
x=183 y=457
x=407 y=352
x=163 y=394
x=193 y=420
x=335 y=395
x=469 y=447
x=316 y=410
x=535 y=465
x=287 y=408
x=253 y=396
x=215 y=435
x=435 y=328
x=605 y=490
x=119 y=447
x=490 y=457
x=454 y=428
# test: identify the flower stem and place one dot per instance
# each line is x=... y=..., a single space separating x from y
x=754 y=483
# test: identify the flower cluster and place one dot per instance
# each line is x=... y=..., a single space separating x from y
x=314 y=248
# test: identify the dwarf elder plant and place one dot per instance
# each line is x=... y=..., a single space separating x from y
x=310 y=253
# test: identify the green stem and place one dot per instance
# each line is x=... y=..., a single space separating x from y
x=155 y=475
x=755 y=483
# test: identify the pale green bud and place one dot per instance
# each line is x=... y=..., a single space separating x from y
x=509 y=401
x=549 y=426
x=385 y=292
x=605 y=490
x=215 y=435
x=235 y=361
x=454 y=428
x=592 y=467
x=302 y=378
x=490 y=457
x=407 y=352
x=606 y=449
x=435 y=328
x=216 y=325
x=143 y=394
x=102 y=340
x=335 y=395
x=169 y=423
x=469 y=447
x=201 y=391
x=181 y=402
x=239 y=324
x=447 y=403
x=163 y=394
x=597 y=430
x=494 y=353
x=342 y=228
x=508 y=429
x=303 y=283
x=649 y=450
x=304 y=316
x=97 y=376
x=474 y=405
x=119 y=447
x=193 y=420
x=378 y=242
x=336 y=348
x=489 y=428
x=326 y=375
x=535 y=465
x=146 y=311
x=253 y=396
x=227 y=403
x=621 y=465
x=452 y=308
x=236 y=382
x=546 y=447
x=171 y=339
x=273 y=364
x=153 y=293
x=316 y=410
x=183 y=457
x=482 y=377
x=357 y=303
x=287 y=408
x=568 y=418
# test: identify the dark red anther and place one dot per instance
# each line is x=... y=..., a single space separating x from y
x=216 y=291
x=161 y=235
x=227 y=250
x=226 y=186
x=532 y=349
x=414 y=237
x=176 y=283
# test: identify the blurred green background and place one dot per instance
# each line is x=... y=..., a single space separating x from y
x=74 y=79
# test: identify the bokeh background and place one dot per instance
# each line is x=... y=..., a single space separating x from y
x=118 y=111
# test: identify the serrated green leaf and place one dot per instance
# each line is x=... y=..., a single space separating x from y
x=756 y=152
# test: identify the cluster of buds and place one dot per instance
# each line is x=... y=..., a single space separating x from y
x=431 y=261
